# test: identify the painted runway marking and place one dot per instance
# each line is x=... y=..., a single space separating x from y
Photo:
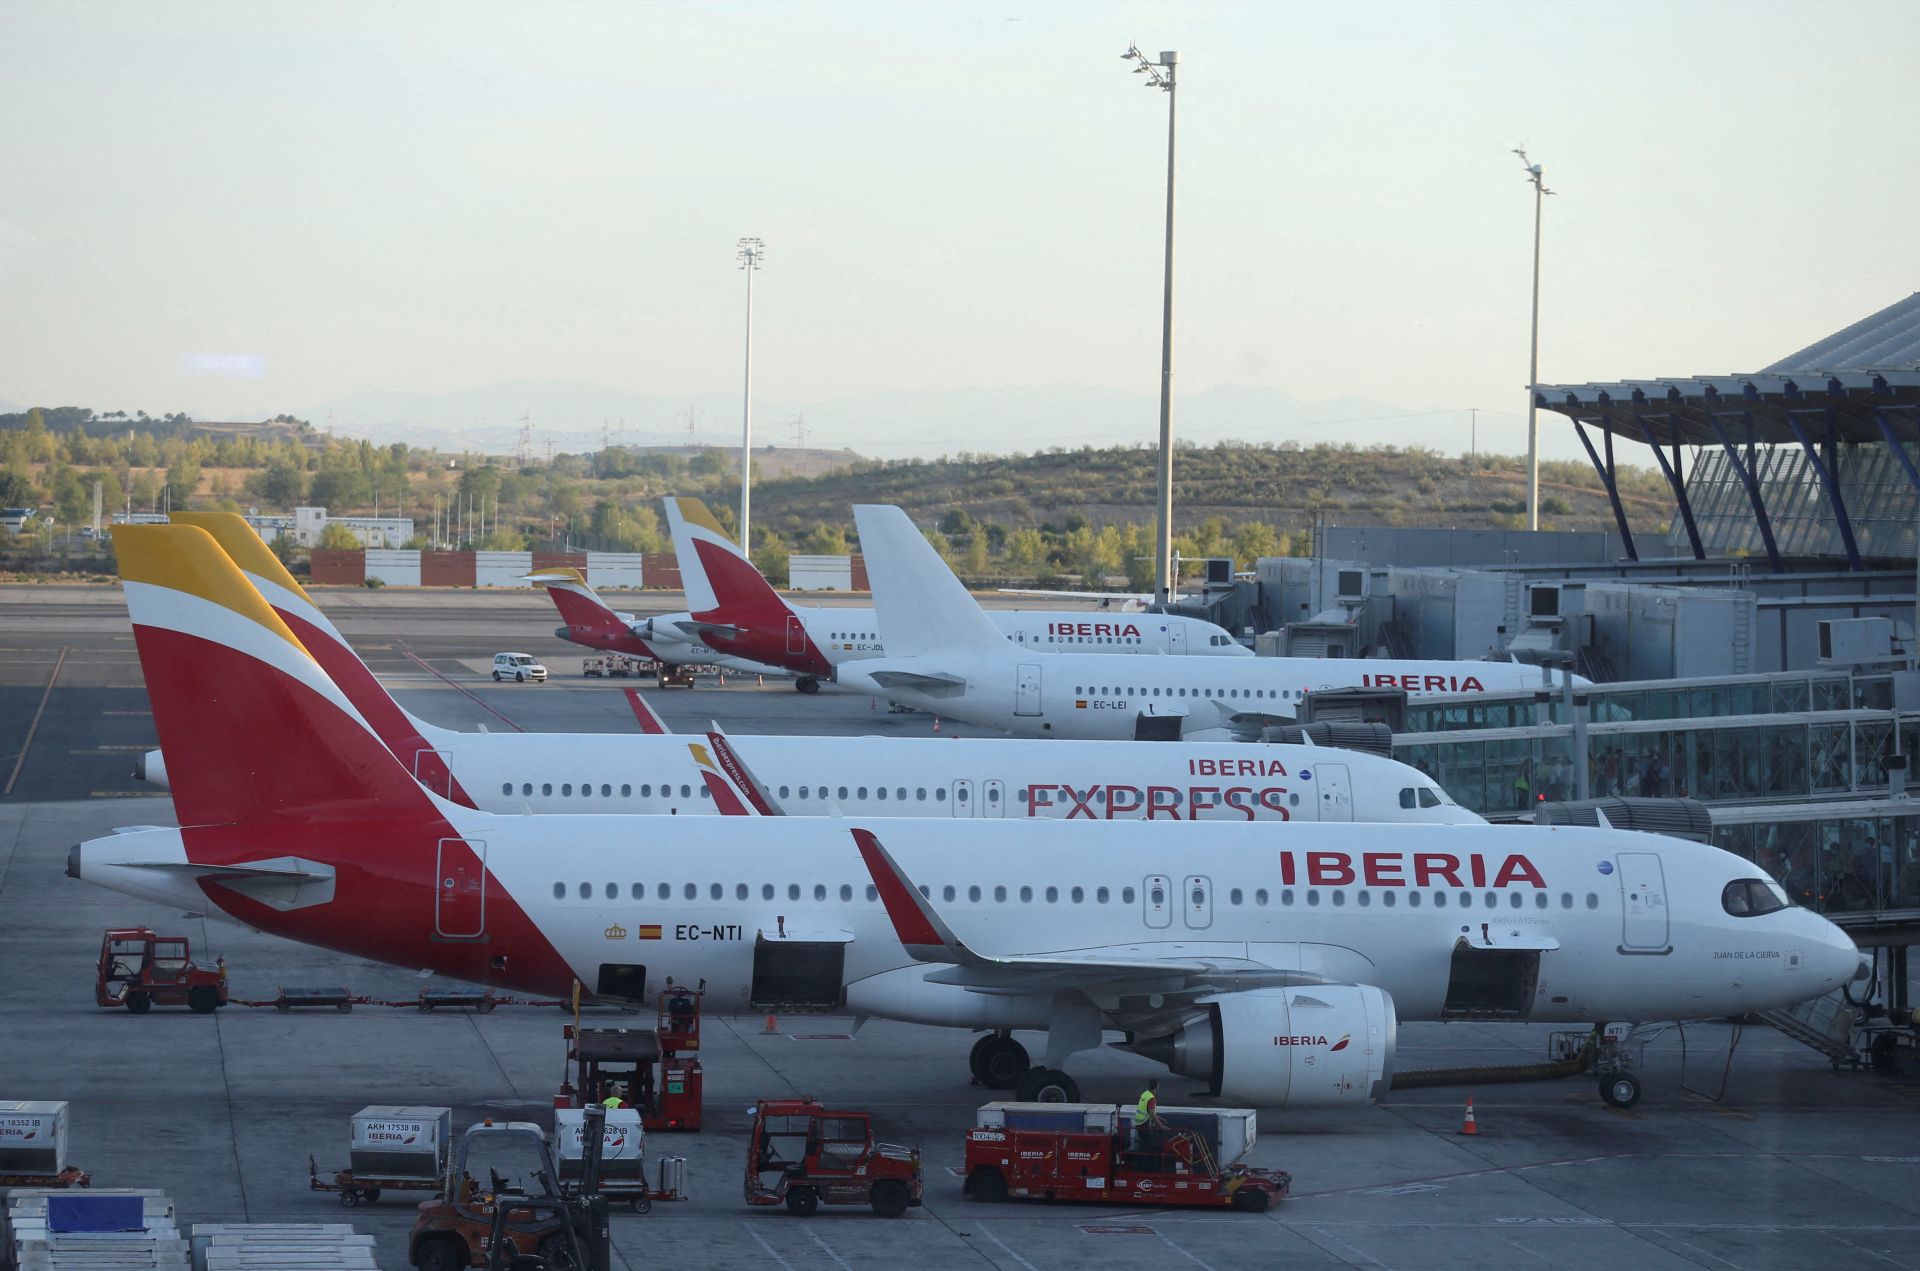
x=828 y=1249
x=1003 y=1248
x=34 y=727
x=1182 y=1252
x=465 y=691
x=786 y=1266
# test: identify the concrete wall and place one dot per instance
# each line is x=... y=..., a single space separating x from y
x=616 y=569
x=820 y=573
x=501 y=569
x=394 y=568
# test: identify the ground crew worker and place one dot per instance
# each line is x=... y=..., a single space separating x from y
x=1149 y=1131
x=613 y=1101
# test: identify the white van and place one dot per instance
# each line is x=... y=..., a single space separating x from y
x=518 y=666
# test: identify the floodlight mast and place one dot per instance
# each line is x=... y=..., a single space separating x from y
x=749 y=252
x=1160 y=74
x=1537 y=178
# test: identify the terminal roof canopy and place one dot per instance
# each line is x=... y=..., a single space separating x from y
x=1839 y=381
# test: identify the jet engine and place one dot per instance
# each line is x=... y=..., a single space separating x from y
x=1314 y=1046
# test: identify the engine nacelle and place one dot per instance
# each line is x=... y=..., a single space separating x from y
x=1313 y=1046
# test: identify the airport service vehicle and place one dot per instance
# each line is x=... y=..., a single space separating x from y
x=1271 y=969
x=393 y=1149
x=946 y=657
x=1084 y=1152
x=803 y=1156
x=612 y=666
x=141 y=970
x=655 y=1071
x=579 y=773
x=735 y=610
x=519 y=667
x=503 y=1198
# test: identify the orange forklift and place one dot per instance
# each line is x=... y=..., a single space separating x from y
x=140 y=970
x=656 y=1070
x=802 y=1156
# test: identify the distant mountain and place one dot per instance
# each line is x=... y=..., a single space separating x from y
x=572 y=416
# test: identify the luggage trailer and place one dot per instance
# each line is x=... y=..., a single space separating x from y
x=1085 y=1152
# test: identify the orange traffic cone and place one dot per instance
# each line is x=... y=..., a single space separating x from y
x=771 y=1027
x=1468 y=1126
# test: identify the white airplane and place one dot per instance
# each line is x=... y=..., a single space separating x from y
x=946 y=658
x=574 y=773
x=735 y=610
x=1274 y=975
x=671 y=638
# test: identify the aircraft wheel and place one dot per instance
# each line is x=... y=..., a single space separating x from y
x=139 y=1003
x=889 y=1198
x=802 y=1201
x=202 y=1000
x=1620 y=1090
x=1047 y=1085
x=807 y=684
x=987 y=1185
x=998 y=1062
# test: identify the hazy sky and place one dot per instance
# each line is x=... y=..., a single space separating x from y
x=433 y=197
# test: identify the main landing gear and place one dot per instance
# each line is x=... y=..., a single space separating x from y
x=807 y=684
x=999 y=1062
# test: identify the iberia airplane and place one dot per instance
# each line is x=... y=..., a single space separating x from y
x=946 y=658
x=1272 y=971
x=577 y=773
x=588 y=620
x=734 y=610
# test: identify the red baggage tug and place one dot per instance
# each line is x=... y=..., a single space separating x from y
x=655 y=1070
x=1084 y=1152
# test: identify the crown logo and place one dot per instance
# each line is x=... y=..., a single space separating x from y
x=615 y=932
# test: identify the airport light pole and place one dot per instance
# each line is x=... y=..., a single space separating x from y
x=1160 y=74
x=1540 y=192
x=750 y=252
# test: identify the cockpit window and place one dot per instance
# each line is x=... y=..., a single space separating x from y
x=1751 y=897
x=1406 y=797
x=1428 y=798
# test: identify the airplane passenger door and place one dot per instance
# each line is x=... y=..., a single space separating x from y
x=434 y=770
x=1176 y=638
x=1026 y=689
x=1196 y=893
x=993 y=799
x=1643 y=903
x=460 y=897
x=796 y=634
x=1336 y=791
x=961 y=804
x=1156 y=896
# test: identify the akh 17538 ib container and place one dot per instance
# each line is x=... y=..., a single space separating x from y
x=33 y=1137
x=401 y=1142
x=622 y=1151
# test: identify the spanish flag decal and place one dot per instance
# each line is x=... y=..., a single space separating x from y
x=649 y=931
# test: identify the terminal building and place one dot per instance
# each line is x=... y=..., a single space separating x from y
x=1756 y=659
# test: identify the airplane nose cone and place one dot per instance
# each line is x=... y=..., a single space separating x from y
x=1836 y=957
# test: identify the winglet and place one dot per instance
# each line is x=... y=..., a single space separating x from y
x=920 y=928
x=921 y=606
x=650 y=721
x=749 y=786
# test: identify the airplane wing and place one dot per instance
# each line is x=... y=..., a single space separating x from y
x=650 y=721
x=934 y=685
x=755 y=791
x=696 y=628
x=1130 y=601
x=1103 y=977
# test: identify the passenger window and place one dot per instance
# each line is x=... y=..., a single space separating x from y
x=873 y=893
x=559 y=891
x=506 y=787
x=783 y=792
x=973 y=893
x=1539 y=900
x=1566 y=900
x=1593 y=901
x=881 y=792
x=1439 y=900
x=606 y=792
x=663 y=891
x=638 y=891
x=1233 y=897
x=613 y=891
x=1365 y=898
x=1313 y=895
x=1339 y=898
x=1026 y=895
x=766 y=891
x=716 y=892
x=900 y=792
x=843 y=792
x=586 y=792
x=819 y=891
x=1126 y=895
x=947 y=892
x=1260 y=896
x=1413 y=900
x=863 y=792
x=739 y=891
x=1000 y=895
x=1466 y=900
x=566 y=789
x=1053 y=895
x=1493 y=900
x=939 y=794
x=691 y=891
x=920 y=793
x=546 y=789
x=586 y=891
x=846 y=891
x=1386 y=898
x=626 y=791
x=704 y=792
x=793 y=891
x=686 y=792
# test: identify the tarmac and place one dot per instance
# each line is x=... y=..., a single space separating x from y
x=1794 y=1165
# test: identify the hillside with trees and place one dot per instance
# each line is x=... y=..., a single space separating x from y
x=1058 y=513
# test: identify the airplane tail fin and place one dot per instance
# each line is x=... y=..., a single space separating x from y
x=718 y=578
x=589 y=620
x=251 y=725
x=650 y=721
x=918 y=602
x=419 y=746
x=731 y=796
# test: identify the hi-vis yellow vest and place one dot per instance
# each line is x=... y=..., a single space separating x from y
x=1140 y=1113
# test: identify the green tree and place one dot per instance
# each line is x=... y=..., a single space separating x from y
x=183 y=479
x=15 y=490
x=1254 y=540
x=282 y=485
x=770 y=556
x=826 y=540
x=340 y=489
x=337 y=536
x=1026 y=549
x=977 y=560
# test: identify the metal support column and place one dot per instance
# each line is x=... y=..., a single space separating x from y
x=1607 y=479
x=1831 y=486
x=1748 y=480
x=1893 y=443
x=1678 y=486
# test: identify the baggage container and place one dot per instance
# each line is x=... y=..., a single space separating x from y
x=401 y=1141
x=33 y=1137
x=623 y=1147
x=1229 y=1133
x=673 y=1176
